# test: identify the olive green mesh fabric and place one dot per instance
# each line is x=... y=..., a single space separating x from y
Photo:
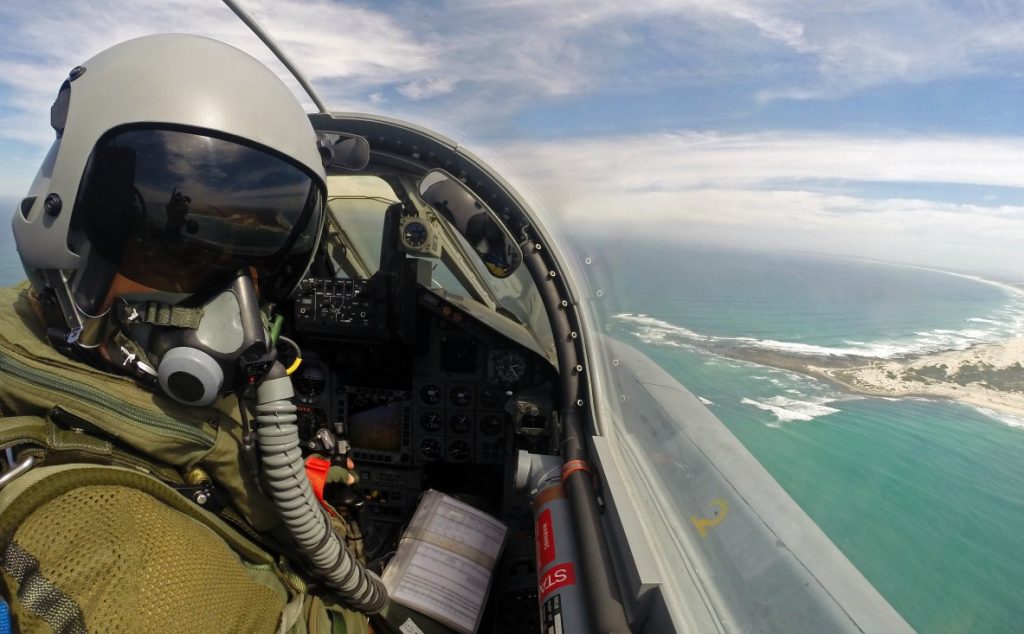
x=135 y=565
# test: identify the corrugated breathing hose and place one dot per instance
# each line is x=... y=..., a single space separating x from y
x=285 y=477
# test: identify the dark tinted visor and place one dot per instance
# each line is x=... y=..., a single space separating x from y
x=182 y=212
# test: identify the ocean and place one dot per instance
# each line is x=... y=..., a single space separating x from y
x=10 y=267
x=925 y=497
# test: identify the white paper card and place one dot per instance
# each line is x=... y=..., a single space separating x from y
x=445 y=561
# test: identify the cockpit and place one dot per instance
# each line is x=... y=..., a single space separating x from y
x=449 y=345
x=420 y=348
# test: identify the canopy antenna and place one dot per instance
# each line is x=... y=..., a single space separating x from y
x=276 y=50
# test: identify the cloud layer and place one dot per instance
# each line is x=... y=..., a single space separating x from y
x=476 y=62
x=822 y=192
x=478 y=70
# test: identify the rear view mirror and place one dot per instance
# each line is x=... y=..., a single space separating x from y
x=474 y=220
x=345 y=151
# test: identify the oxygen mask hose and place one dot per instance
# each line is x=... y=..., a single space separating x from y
x=278 y=438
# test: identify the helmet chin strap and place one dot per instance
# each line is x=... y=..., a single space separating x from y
x=57 y=284
x=69 y=329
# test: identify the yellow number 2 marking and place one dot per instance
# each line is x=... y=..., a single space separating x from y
x=704 y=523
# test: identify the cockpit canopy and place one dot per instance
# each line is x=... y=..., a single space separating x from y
x=427 y=210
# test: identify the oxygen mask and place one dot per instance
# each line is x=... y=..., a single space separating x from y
x=197 y=353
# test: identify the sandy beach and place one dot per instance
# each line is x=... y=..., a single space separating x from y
x=986 y=375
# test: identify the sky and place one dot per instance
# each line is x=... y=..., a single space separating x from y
x=884 y=129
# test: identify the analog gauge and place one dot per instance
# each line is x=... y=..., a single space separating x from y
x=460 y=424
x=459 y=451
x=490 y=425
x=415 y=234
x=461 y=396
x=431 y=421
x=509 y=366
x=430 y=448
x=431 y=394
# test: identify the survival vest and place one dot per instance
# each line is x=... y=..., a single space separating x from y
x=100 y=534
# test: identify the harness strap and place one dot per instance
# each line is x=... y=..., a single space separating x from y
x=38 y=594
x=159 y=314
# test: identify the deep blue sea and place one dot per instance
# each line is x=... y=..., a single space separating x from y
x=925 y=497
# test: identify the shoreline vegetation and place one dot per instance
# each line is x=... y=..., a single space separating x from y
x=989 y=375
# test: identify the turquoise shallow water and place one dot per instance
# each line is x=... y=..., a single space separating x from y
x=925 y=497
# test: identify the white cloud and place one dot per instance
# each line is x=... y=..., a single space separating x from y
x=862 y=45
x=347 y=49
x=833 y=48
x=492 y=58
x=427 y=88
x=752 y=190
x=469 y=61
x=686 y=160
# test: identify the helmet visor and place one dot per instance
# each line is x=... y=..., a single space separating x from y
x=183 y=212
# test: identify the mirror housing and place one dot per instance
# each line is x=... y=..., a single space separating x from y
x=474 y=221
x=345 y=151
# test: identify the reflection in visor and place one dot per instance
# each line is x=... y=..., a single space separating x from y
x=182 y=212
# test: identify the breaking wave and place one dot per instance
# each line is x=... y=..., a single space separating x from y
x=1010 y=420
x=789 y=409
x=656 y=331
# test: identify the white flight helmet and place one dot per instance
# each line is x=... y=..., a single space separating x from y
x=179 y=161
x=185 y=175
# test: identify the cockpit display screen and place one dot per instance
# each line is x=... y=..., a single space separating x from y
x=378 y=428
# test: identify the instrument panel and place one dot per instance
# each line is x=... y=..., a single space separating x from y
x=459 y=399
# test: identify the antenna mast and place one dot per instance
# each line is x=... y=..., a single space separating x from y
x=276 y=50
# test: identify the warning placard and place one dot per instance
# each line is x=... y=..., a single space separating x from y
x=545 y=539
x=558 y=577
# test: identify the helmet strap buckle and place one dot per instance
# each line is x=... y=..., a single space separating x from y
x=57 y=285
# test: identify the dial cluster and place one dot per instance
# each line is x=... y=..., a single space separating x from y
x=459 y=421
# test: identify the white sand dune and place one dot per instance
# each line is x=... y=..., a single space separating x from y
x=986 y=375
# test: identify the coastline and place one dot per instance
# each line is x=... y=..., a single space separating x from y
x=989 y=375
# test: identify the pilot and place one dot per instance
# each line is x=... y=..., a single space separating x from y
x=152 y=479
